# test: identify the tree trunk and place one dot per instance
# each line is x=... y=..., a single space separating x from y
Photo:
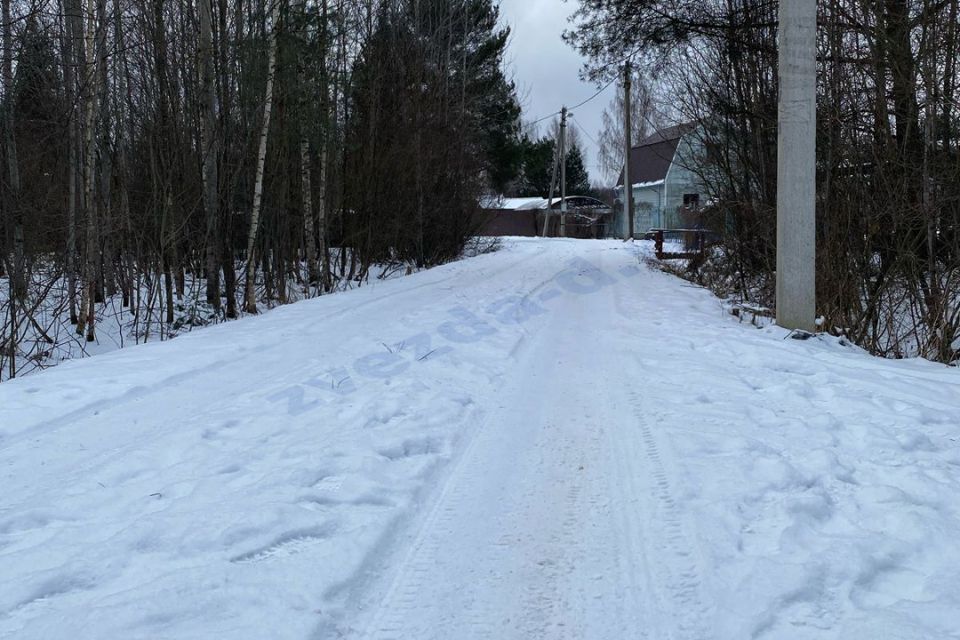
x=250 y=295
x=72 y=36
x=305 y=185
x=322 y=212
x=209 y=151
x=17 y=276
x=87 y=321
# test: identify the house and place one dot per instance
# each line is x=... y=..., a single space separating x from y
x=665 y=176
x=586 y=217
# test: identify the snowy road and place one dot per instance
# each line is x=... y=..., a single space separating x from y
x=552 y=441
x=556 y=522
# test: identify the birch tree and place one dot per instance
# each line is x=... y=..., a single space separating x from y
x=88 y=317
x=644 y=120
x=250 y=295
x=141 y=131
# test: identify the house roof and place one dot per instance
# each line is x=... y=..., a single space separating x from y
x=650 y=159
x=578 y=202
x=525 y=204
x=499 y=202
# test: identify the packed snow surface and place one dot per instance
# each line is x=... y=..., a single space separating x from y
x=551 y=441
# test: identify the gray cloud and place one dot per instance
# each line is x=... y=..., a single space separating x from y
x=547 y=70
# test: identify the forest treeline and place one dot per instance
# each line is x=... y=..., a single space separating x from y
x=256 y=151
x=249 y=152
x=888 y=136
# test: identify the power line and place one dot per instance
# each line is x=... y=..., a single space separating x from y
x=555 y=113
x=602 y=89
x=628 y=57
x=584 y=132
x=578 y=105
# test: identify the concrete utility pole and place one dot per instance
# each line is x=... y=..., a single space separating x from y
x=627 y=145
x=796 y=166
x=563 y=172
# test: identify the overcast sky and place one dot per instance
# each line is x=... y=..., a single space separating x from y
x=547 y=70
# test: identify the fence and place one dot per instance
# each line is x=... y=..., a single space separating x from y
x=529 y=222
x=692 y=242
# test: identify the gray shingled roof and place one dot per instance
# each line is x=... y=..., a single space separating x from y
x=650 y=159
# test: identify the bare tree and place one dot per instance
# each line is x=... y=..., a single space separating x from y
x=12 y=201
x=209 y=149
x=88 y=316
x=888 y=239
x=644 y=119
x=159 y=152
x=250 y=298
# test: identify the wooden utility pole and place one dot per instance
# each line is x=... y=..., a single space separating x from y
x=553 y=185
x=627 y=145
x=796 y=166
x=563 y=172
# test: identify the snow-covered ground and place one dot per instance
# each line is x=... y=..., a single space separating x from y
x=551 y=441
x=51 y=339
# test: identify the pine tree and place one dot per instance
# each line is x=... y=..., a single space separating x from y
x=435 y=123
x=578 y=180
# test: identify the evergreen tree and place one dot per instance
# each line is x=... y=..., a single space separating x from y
x=468 y=35
x=537 y=170
x=39 y=114
x=578 y=181
x=537 y=166
x=433 y=116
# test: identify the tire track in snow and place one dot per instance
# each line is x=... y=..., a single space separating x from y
x=522 y=563
x=548 y=603
x=403 y=599
x=288 y=544
x=633 y=565
x=674 y=563
x=524 y=566
x=656 y=531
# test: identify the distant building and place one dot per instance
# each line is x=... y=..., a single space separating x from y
x=665 y=176
x=586 y=217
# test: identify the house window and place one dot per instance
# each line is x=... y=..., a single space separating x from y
x=691 y=200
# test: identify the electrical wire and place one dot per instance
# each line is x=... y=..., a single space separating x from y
x=584 y=132
x=578 y=105
x=555 y=113
x=627 y=57
x=604 y=88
